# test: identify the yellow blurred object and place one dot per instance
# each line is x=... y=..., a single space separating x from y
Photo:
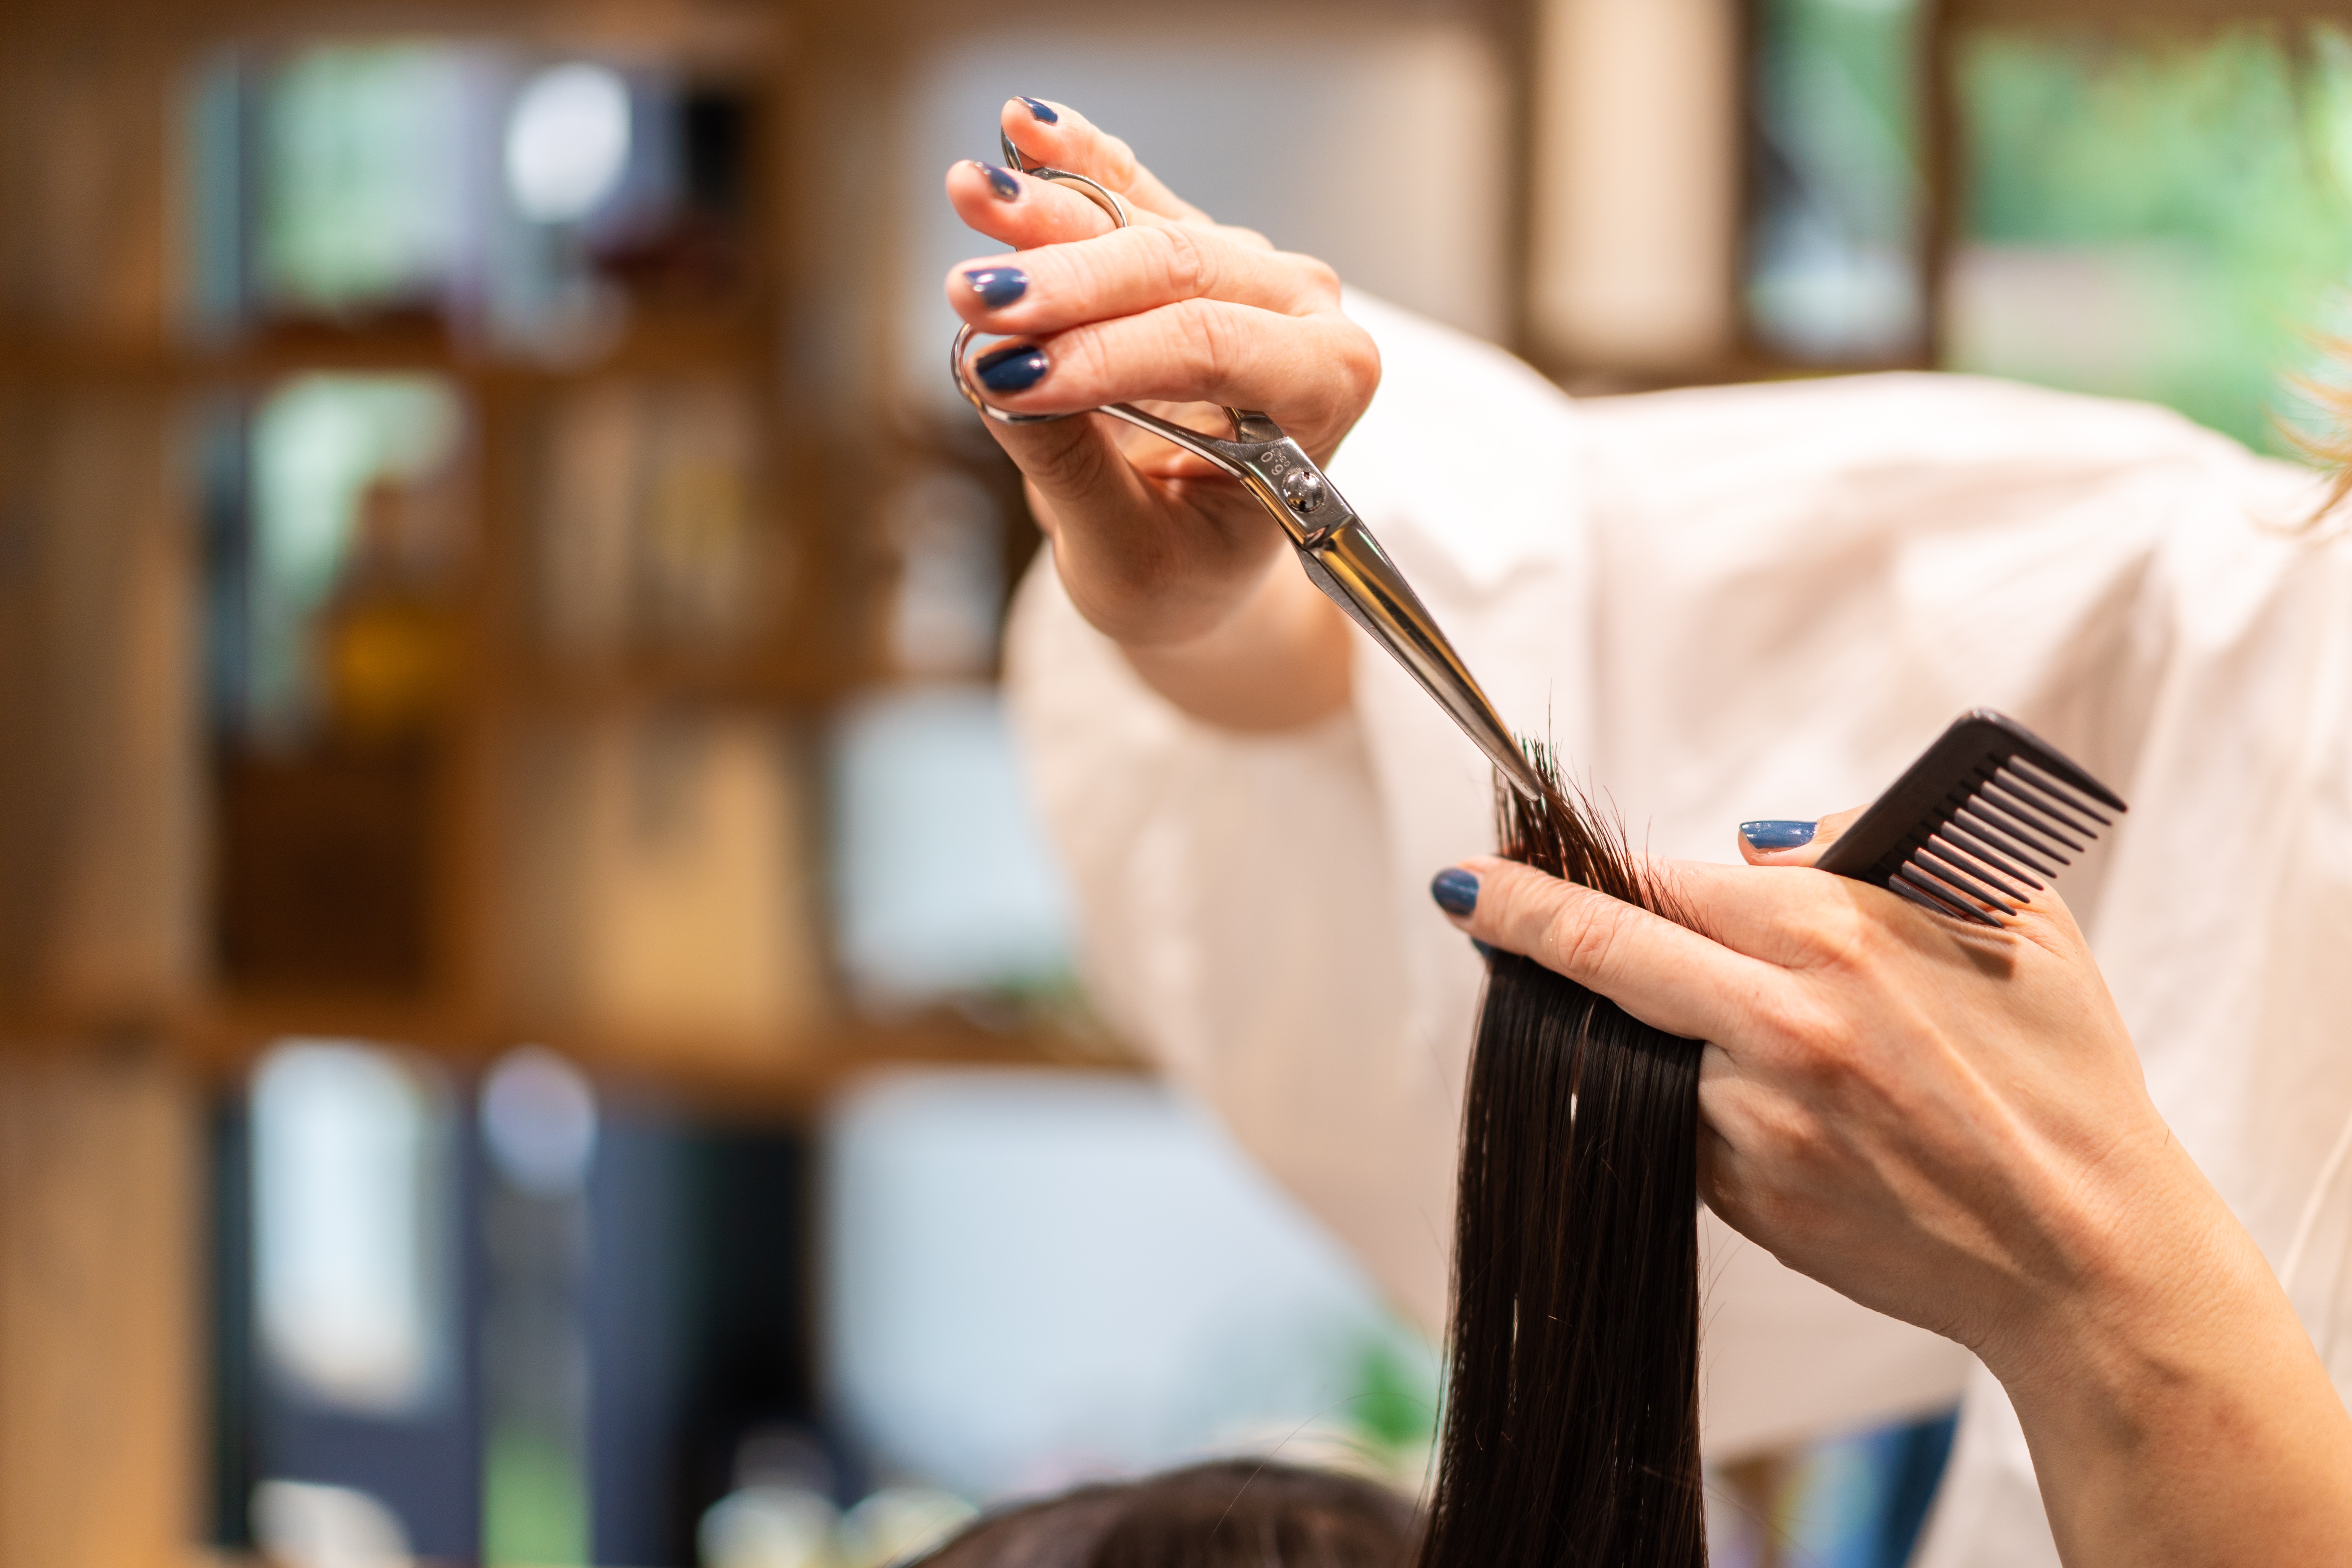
x=388 y=668
x=387 y=640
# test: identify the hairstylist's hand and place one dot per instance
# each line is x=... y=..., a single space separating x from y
x=1179 y=313
x=1949 y=1123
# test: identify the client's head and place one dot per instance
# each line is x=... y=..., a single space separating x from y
x=1231 y=1513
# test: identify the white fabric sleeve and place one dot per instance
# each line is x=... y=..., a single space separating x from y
x=1235 y=927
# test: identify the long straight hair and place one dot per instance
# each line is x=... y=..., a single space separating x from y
x=1571 y=1418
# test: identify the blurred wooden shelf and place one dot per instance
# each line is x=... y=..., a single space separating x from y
x=787 y=1077
x=733 y=339
x=782 y=677
x=794 y=1067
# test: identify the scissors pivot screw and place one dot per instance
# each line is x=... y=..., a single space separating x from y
x=1304 y=490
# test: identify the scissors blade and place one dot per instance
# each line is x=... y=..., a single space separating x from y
x=1349 y=564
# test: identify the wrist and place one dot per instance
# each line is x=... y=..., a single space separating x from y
x=2172 y=1369
x=2123 y=1303
x=1279 y=662
x=1133 y=586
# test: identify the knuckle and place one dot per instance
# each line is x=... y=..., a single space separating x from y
x=1788 y=1135
x=1207 y=336
x=1836 y=934
x=1838 y=1049
x=1092 y=267
x=1117 y=161
x=1081 y=359
x=1065 y=467
x=1801 y=1034
x=1782 y=1014
x=1827 y=1047
x=1190 y=271
x=1581 y=939
x=1359 y=366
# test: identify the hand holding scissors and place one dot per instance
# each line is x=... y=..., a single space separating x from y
x=1168 y=306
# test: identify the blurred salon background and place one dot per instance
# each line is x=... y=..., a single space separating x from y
x=537 y=1025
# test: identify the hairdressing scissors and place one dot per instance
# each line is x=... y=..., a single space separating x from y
x=1338 y=552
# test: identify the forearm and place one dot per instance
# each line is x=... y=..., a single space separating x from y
x=2176 y=1411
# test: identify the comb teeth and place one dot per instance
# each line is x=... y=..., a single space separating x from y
x=1932 y=893
x=1969 y=828
x=1962 y=872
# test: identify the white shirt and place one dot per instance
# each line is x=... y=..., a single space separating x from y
x=1728 y=603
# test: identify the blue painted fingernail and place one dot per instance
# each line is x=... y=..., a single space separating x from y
x=1000 y=181
x=1484 y=951
x=1041 y=112
x=1777 y=834
x=1014 y=369
x=997 y=286
x=1455 y=890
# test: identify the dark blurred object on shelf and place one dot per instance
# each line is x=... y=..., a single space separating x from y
x=324 y=872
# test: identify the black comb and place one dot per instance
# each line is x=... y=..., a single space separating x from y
x=1970 y=827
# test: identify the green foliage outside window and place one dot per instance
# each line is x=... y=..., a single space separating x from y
x=364 y=187
x=2161 y=219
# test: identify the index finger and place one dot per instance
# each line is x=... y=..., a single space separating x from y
x=1665 y=975
x=1022 y=211
x=1060 y=137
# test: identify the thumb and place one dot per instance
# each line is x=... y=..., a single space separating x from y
x=1777 y=841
